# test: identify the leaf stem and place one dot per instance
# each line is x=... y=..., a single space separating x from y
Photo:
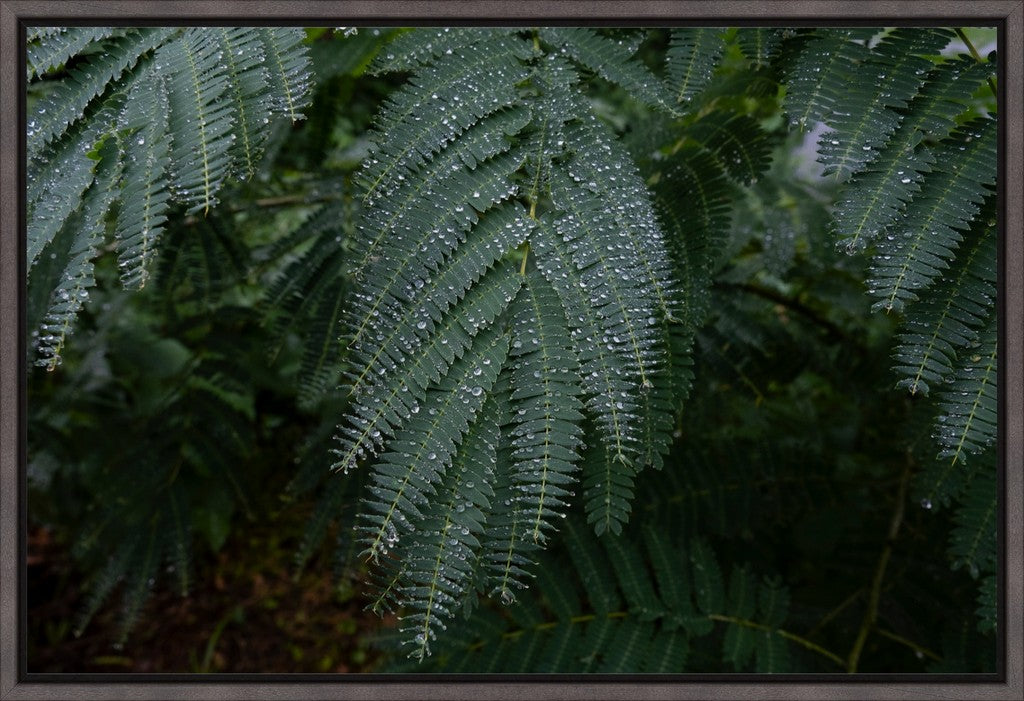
x=977 y=57
x=875 y=594
x=814 y=647
x=526 y=254
x=920 y=649
x=612 y=615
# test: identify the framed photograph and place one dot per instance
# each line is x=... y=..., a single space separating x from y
x=487 y=350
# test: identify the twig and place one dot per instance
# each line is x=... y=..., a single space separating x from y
x=814 y=647
x=920 y=649
x=977 y=57
x=797 y=306
x=871 y=615
x=827 y=618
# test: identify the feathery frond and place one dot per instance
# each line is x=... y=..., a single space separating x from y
x=692 y=56
x=883 y=83
x=917 y=248
x=186 y=107
x=940 y=327
x=630 y=622
x=613 y=61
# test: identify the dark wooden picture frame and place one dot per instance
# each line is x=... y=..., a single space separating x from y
x=17 y=683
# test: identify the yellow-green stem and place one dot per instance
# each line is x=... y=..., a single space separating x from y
x=977 y=57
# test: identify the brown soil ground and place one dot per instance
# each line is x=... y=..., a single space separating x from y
x=245 y=613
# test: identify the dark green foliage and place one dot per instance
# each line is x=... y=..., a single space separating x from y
x=922 y=191
x=625 y=623
x=967 y=422
x=568 y=255
x=613 y=61
x=816 y=84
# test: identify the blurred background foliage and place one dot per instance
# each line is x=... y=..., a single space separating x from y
x=183 y=518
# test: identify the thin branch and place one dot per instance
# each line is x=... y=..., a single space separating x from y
x=814 y=647
x=797 y=306
x=977 y=57
x=919 y=649
x=875 y=595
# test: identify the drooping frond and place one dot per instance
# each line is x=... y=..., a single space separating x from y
x=918 y=247
x=51 y=47
x=885 y=82
x=967 y=422
x=78 y=242
x=55 y=193
x=638 y=227
x=287 y=64
x=250 y=93
x=630 y=622
x=507 y=551
x=144 y=198
x=437 y=560
x=610 y=386
x=589 y=303
x=545 y=432
x=613 y=61
x=197 y=81
x=759 y=44
x=186 y=108
x=421 y=453
x=692 y=56
x=939 y=328
x=66 y=103
x=877 y=195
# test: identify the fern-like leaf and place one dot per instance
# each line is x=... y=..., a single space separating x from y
x=878 y=194
x=918 y=248
x=545 y=433
x=250 y=93
x=611 y=60
x=144 y=197
x=421 y=453
x=817 y=82
x=437 y=559
x=51 y=50
x=938 y=328
x=973 y=540
x=885 y=82
x=760 y=44
x=460 y=89
x=413 y=49
x=967 y=422
x=692 y=56
x=197 y=80
x=629 y=623
x=68 y=100
x=287 y=64
x=78 y=244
